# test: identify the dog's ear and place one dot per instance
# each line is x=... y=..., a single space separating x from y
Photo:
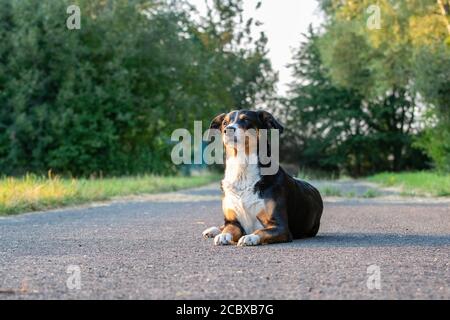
x=217 y=121
x=269 y=121
x=215 y=124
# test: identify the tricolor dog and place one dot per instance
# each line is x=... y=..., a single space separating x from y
x=260 y=209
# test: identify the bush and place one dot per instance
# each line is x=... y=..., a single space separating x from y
x=106 y=98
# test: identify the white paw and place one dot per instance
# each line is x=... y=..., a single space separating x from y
x=222 y=239
x=249 y=240
x=210 y=232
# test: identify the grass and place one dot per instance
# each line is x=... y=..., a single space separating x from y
x=423 y=183
x=371 y=193
x=31 y=192
x=310 y=174
x=330 y=191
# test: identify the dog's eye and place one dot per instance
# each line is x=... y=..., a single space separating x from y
x=225 y=122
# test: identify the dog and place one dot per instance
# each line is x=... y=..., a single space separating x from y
x=260 y=209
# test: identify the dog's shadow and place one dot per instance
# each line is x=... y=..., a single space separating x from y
x=327 y=240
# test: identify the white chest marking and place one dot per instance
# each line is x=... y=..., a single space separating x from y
x=238 y=186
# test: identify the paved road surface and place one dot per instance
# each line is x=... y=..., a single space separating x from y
x=151 y=248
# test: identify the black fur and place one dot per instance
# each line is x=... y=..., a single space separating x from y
x=302 y=202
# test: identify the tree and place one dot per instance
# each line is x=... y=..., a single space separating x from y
x=432 y=74
x=319 y=115
x=107 y=97
x=387 y=64
x=336 y=128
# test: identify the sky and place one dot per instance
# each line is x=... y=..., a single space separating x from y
x=283 y=22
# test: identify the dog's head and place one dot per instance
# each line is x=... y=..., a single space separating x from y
x=237 y=125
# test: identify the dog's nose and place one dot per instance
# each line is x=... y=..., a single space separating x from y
x=229 y=130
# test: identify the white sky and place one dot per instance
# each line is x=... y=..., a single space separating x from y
x=283 y=23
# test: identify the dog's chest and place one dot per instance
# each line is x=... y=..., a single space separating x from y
x=245 y=203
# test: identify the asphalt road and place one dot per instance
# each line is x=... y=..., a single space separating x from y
x=151 y=248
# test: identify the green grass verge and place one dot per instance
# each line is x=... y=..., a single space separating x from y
x=424 y=183
x=31 y=193
x=330 y=191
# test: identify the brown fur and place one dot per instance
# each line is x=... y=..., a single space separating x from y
x=269 y=234
x=230 y=227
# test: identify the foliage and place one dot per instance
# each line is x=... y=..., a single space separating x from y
x=432 y=72
x=106 y=98
x=336 y=128
x=407 y=58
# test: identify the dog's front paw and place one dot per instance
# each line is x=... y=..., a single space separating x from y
x=210 y=232
x=249 y=240
x=222 y=239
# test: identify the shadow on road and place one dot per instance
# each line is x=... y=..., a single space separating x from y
x=328 y=240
